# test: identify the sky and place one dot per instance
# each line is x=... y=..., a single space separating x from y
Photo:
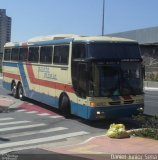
x=32 y=18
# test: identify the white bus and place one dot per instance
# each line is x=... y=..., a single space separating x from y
x=91 y=77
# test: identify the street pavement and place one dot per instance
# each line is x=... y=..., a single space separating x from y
x=23 y=131
x=27 y=129
x=102 y=147
x=30 y=125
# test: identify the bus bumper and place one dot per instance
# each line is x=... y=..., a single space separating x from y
x=95 y=113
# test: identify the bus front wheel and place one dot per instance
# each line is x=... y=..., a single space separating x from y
x=64 y=105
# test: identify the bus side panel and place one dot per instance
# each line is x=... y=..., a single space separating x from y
x=79 y=110
x=35 y=88
x=10 y=73
x=6 y=85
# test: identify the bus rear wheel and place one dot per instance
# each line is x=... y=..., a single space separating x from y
x=20 y=92
x=64 y=105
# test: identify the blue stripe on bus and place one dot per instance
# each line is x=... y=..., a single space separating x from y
x=24 y=80
x=9 y=64
x=90 y=113
x=44 y=98
x=40 y=97
x=7 y=85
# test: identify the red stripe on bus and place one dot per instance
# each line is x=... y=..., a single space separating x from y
x=46 y=83
x=11 y=75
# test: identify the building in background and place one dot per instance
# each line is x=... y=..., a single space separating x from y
x=148 y=41
x=5 y=29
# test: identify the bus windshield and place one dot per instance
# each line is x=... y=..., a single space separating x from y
x=119 y=79
x=114 y=50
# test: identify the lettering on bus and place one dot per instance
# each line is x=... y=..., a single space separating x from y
x=46 y=73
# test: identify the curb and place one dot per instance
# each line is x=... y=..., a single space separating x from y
x=7 y=103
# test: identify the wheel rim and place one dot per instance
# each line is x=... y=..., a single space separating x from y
x=14 y=89
x=20 y=92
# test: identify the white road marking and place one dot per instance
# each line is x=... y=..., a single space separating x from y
x=21 y=110
x=21 y=134
x=151 y=102
x=31 y=104
x=5 y=99
x=31 y=112
x=41 y=140
x=15 y=122
x=149 y=95
x=44 y=114
x=21 y=127
x=56 y=117
x=6 y=119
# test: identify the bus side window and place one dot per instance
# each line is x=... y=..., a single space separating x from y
x=46 y=54
x=61 y=55
x=15 y=54
x=33 y=54
x=7 y=53
x=23 y=54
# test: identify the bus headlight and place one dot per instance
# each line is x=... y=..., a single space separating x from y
x=98 y=112
x=140 y=110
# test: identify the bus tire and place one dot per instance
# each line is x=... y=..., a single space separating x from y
x=14 y=89
x=64 y=105
x=21 y=92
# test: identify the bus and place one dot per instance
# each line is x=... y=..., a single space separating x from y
x=93 y=77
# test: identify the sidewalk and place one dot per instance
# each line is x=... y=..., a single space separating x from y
x=103 y=147
x=6 y=102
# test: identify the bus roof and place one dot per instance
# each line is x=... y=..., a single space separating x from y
x=102 y=38
x=67 y=38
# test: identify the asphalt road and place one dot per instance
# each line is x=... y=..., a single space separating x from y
x=151 y=103
x=24 y=129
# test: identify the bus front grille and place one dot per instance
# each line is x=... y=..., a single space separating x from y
x=128 y=102
x=115 y=103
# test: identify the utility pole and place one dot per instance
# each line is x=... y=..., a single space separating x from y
x=103 y=18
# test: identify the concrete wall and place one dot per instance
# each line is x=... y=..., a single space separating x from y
x=143 y=36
